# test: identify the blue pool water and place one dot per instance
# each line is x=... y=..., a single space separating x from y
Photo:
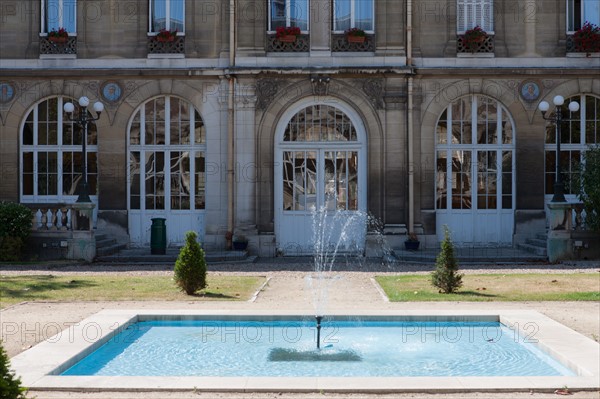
x=286 y=348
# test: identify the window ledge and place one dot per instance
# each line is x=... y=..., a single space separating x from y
x=475 y=55
x=166 y=56
x=58 y=56
x=583 y=55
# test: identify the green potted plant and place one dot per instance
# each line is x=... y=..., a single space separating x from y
x=287 y=34
x=587 y=39
x=165 y=35
x=240 y=242
x=58 y=36
x=412 y=242
x=473 y=38
x=355 y=35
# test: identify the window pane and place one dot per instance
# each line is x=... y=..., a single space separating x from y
x=177 y=15
x=199 y=129
x=134 y=173
x=200 y=185
x=53 y=13
x=28 y=173
x=69 y=15
x=441 y=180
x=134 y=132
x=592 y=120
x=180 y=180
x=591 y=11
x=278 y=14
x=299 y=13
x=363 y=14
x=442 y=129
x=342 y=15
x=159 y=15
x=461 y=179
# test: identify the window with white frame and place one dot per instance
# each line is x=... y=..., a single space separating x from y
x=577 y=134
x=288 y=13
x=472 y=13
x=50 y=154
x=349 y=14
x=58 y=14
x=167 y=14
x=581 y=11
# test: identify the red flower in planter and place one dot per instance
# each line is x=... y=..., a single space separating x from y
x=165 y=35
x=587 y=39
x=473 y=38
x=287 y=33
x=61 y=35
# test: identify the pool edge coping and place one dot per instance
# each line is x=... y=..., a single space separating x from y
x=564 y=344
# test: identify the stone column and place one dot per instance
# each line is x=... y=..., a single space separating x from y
x=246 y=168
x=559 y=235
x=320 y=27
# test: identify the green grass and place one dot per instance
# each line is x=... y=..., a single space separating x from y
x=496 y=287
x=15 y=289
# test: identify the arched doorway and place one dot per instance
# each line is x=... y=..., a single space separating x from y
x=320 y=165
x=166 y=163
x=475 y=179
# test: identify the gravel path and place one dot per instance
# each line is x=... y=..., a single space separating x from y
x=352 y=289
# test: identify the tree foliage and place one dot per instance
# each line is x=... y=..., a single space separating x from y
x=446 y=276
x=10 y=386
x=190 y=267
x=589 y=189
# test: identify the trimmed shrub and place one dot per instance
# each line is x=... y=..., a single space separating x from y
x=589 y=188
x=15 y=227
x=190 y=267
x=446 y=276
x=10 y=386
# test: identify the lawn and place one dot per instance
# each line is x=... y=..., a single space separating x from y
x=15 y=289
x=496 y=287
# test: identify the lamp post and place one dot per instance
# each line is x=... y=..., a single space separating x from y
x=82 y=120
x=557 y=119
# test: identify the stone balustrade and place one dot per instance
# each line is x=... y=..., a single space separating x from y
x=51 y=217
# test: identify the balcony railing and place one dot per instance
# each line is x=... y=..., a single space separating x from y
x=177 y=46
x=485 y=47
x=573 y=47
x=68 y=47
x=51 y=217
x=300 y=45
x=340 y=43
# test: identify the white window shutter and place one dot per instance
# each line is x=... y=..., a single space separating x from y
x=471 y=13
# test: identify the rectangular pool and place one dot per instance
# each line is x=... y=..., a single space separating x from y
x=348 y=349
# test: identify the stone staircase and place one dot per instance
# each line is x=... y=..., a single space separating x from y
x=144 y=256
x=535 y=245
x=107 y=245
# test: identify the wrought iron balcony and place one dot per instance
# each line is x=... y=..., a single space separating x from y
x=485 y=47
x=52 y=46
x=299 y=45
x=176 y=46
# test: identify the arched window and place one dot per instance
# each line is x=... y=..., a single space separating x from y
x=51 y=162
x=582 y=130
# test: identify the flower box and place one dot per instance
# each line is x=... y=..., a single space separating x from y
x=587 y=39
x=287 y=38
x=58 y=39
x=355 y=39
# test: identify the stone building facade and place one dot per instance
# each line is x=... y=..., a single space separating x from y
x=220 y=125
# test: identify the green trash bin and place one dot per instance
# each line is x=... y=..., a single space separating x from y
x=158 y=236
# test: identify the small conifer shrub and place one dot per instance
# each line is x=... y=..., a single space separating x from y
x=190 y=267
x=10 y=386
x=446 y=276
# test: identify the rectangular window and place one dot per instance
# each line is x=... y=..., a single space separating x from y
x=58 y=14
x=581 y=11
x=167 y=14
x=284 y=13
x=353 y=14
x=472 y=13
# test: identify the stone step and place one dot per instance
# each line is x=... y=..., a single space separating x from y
x=542 y=236
x=500 y=255
x=105 y=242
x=534 y=249
x=144 y=255
x=109 y=250
x=537 y=242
